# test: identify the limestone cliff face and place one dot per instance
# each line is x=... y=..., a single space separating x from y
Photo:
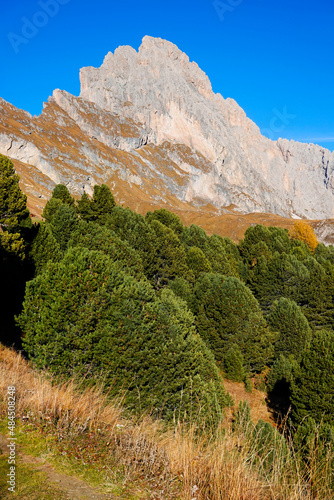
x=172 y=97
x=149 y=124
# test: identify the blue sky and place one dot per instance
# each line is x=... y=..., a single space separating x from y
x=275 y=58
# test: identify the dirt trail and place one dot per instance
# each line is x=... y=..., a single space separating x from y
x=74 y=488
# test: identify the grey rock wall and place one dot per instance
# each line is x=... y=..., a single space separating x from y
x=152 y=118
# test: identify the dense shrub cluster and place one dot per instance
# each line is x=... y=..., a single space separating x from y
x=162 y=311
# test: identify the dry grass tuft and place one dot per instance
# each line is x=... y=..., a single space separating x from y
x=183 y=464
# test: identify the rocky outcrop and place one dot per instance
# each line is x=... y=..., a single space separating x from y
x=149 y=122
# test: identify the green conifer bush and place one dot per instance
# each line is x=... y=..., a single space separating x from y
x=85 y=209
x=234 y=364
x=197 y=262
x=64 y=224
x=167 y=218
x=294 y=334
x=13 y=203
x=312 y=388
x=103 y=202
x=83 y=316
x=62 y=193
x=169 y=257
x=227 y=313
x=51 y=208
x=96 y=237
x=44 y=248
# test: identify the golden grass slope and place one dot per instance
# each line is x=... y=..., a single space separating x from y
x=150 y=461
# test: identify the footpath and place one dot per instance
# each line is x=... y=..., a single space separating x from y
x=72 y=487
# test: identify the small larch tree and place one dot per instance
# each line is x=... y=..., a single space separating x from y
x=301 y=230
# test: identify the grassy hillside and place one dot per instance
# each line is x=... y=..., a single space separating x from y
x=87 y=435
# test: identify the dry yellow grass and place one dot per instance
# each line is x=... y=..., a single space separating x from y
x=219 y=467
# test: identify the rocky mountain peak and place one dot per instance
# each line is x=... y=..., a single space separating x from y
x=148 y=122
x=161 y=88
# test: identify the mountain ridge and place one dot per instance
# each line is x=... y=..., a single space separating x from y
x=148 y=124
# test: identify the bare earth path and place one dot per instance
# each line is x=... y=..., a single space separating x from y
x=74 y=488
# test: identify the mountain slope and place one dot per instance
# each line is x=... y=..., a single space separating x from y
x=148 y=124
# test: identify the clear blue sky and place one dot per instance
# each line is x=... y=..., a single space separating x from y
x=275 y=58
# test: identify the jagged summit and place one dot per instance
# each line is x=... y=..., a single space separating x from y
x=160 y=87
x=148 y=123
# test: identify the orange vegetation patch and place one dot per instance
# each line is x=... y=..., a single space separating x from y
x=256 y=400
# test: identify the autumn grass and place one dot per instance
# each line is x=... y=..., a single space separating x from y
x=88 y=435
